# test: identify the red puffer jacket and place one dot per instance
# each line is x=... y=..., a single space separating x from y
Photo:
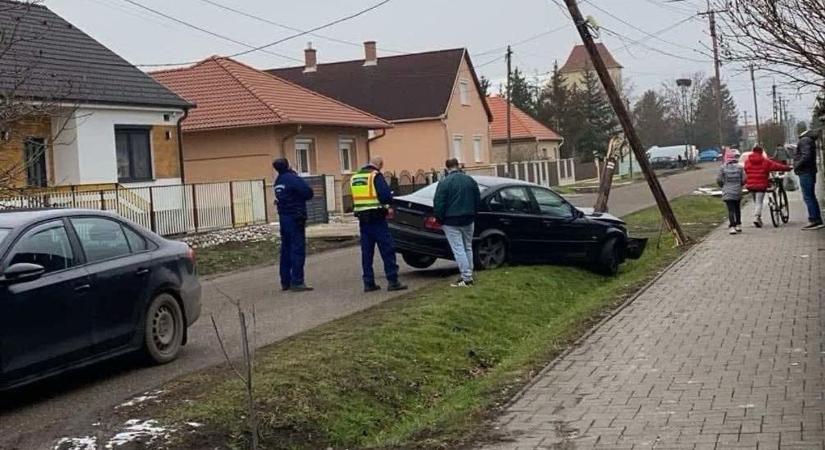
x=758 y=168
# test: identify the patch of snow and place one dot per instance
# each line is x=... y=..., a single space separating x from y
x=140 y=399
x=194 y=424
x=136 y=430
x=81 y=443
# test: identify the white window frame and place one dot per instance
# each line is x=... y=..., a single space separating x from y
x=464 y=92
x=352 y=154
x=457 y=154
x=309 y=145
x=478 y=148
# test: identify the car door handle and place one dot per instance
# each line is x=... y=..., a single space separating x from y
x=142 y=271
x=504 y=221
x=82 y=287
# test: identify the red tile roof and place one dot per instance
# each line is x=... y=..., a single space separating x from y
x=230 y=94
x=522 y=126
x=579 y=59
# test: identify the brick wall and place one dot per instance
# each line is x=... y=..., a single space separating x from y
x=12 y=151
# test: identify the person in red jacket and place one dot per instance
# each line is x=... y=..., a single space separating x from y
x=758 y=168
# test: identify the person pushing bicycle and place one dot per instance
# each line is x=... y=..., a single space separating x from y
x=758 y=168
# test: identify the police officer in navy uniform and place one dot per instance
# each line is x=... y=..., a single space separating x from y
x=370 y=197
x=291 y=196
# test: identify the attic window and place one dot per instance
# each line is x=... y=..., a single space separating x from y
x=464 y=92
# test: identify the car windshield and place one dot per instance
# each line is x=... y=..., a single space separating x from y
x=3 y=233
x=429 y=191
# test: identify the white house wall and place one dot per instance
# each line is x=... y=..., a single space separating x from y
x=91 y=157
x=65 y=154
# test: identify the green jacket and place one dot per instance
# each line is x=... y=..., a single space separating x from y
x=457 y=200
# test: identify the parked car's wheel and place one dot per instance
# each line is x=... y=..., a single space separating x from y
x=609 y=257
x=491 y=252
x=418 y=261
x=164 y=330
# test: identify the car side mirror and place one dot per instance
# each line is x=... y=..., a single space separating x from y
x=17 y=273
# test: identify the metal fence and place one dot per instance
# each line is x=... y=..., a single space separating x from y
x=166 y=210
x=317 y=208
x=543 y=172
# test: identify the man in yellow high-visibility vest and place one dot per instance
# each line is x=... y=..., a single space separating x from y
x=371 y=196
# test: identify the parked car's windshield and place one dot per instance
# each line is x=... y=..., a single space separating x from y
x=429 y=191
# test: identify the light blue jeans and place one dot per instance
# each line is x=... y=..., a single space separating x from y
x=461 y=243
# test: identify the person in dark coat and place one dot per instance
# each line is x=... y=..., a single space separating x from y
x=804 y=165
x=456 y=203
x=291 y=195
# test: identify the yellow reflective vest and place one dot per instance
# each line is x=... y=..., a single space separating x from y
x=364 y=195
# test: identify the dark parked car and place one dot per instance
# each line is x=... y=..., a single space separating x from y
x=710 y=155
x=77 y=287
x=518 y=222
x=664 y=163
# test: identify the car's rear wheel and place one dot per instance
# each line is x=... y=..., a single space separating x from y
x=609 y=257
x=163 y=334
x=418 y=261
x=491 y=252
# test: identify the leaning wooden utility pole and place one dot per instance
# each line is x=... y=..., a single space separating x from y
x=627 y=124
x=756 y=108
x=509 y=106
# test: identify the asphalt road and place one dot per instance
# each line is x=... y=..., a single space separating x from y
x=37 y=416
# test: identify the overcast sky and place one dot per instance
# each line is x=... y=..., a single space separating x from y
x=483 y=26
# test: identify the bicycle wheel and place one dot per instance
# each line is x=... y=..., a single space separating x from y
x=774 y=208
x=784 y=207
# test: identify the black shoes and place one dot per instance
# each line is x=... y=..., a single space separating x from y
x=814 y=226
x=371 y=288
x=397 y=286
x=300 y=288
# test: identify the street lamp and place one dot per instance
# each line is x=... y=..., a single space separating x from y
x=684 y=84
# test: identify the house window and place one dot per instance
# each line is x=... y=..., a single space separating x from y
x=478 y=149
x=134 y=155
x=457 y=142
x=303 y=158
x=346 y=151
x=464 y=92
x=34 y=152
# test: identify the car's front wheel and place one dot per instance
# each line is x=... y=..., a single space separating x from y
x=163 y=334
x=609 y=257
x=491 y=252
x=418 y=261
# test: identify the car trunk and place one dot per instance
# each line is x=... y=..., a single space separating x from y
x=411 y=212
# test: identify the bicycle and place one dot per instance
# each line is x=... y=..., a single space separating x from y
x=778 y=201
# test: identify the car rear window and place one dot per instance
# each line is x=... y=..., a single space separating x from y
x=3 y=233
x=429 y=191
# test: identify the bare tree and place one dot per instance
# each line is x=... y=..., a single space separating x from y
x=244 y=373
x=28 y=93
x=786 y=37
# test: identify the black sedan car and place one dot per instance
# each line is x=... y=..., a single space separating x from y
x=77 y=287
x=518 y=222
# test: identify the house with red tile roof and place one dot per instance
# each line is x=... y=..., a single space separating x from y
x=433 y=99
x=245 y=118
x=578 y=63
x=530 y=140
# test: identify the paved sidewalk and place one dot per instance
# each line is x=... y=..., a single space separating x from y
x=726 y=350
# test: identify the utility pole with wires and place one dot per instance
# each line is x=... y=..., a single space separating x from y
x=717 y=64
x=669 y=218
x=756 y=108
x=509 y=109
x=745 y=137
x=775 y=105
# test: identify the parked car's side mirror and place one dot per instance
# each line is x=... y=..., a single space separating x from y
x=17 y=273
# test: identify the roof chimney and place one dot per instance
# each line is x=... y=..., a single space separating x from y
x=370 y=54
x=310 y=59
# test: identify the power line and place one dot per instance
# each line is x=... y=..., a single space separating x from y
x=287 y=27
x=204 y=30
x=523 y=41
x=655 y=49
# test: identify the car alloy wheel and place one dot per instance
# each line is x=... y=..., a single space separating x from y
x=164 y=329
x=492 y=252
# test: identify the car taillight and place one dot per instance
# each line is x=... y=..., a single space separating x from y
x=190 y=255
x=390 y=213
x=431 y=223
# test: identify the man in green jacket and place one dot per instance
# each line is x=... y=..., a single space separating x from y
x=457 y=200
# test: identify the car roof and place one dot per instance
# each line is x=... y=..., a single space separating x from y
x=493 y=182
x=11 y=218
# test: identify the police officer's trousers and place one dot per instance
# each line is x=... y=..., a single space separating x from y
x=377 y=232
x=293 y=250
